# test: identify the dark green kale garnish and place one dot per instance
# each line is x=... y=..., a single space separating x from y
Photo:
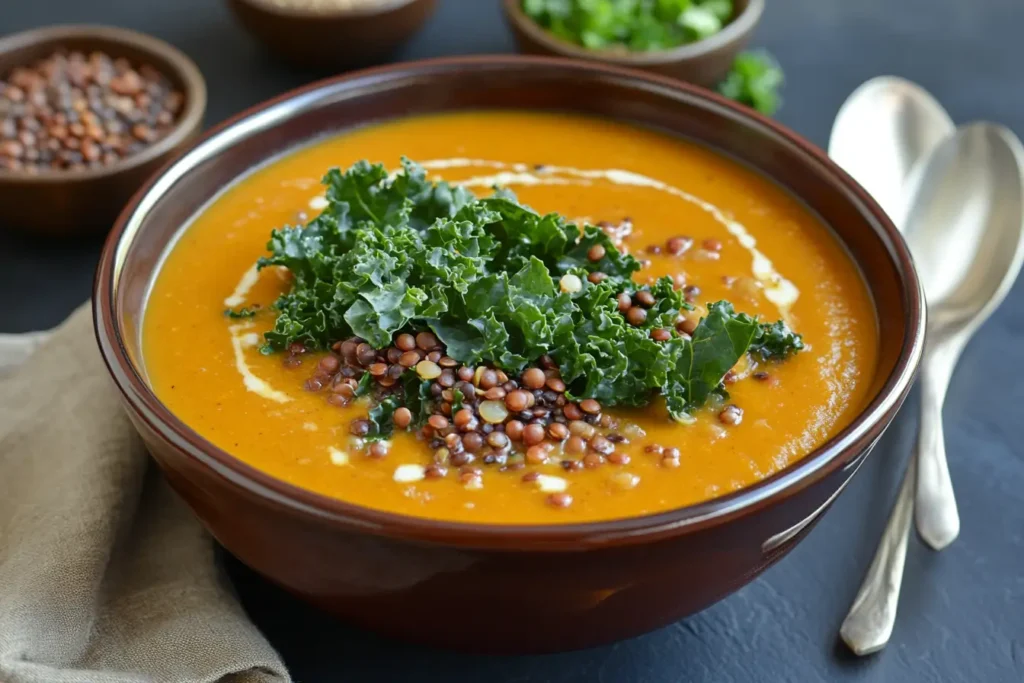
x=497 y=283
x=382 y=419
x=775 y=341
x=239 y=313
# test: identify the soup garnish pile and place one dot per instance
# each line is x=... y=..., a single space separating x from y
x=618 y=337
x=494 y=332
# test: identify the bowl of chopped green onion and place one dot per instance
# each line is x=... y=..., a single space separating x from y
x=698 y=41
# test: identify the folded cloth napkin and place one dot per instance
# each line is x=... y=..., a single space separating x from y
x=105 y=576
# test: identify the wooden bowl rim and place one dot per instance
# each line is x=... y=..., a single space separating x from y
x=184 y=69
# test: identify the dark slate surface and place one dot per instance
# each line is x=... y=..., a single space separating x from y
x=962 y=611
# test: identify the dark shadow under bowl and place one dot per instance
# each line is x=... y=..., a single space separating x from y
x=503 y=588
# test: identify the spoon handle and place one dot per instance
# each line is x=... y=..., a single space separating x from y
x=868 y=625
x=935 y=509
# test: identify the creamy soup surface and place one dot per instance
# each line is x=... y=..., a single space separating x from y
x=773 y=259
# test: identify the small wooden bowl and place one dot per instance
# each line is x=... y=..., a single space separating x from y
x=703 y=63
x=326 y=40
x=68 y=202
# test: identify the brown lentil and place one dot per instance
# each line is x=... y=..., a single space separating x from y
x=581 y=428
x=560 y=500
x=555 y=384
x=365 y=355
x=653 y=448
x=434 y=356
x=677 y=245
x=494 y=394
x=589 y=405
x=533 y=434
x=597 y=277
x=377 y=369
x=672 y=453
x=572 y=411
x=405 y=342
x=514 y=429
x=378 y=450
x=660 y=334
x=437 y=421
x=402 y=417
x=558 y=432
x=636 y=316
x=465 y=374
x=472 y=442
x=435 y=472
x=538 y=453
x=644 y=298
x=601 y=445
x=668 y=462
x=447 y=362
x=592 y=460
x=426 y=341
x=618 y=458
x=517 y=401
x=488 y=379
x=534 y=378
x=625 y=302
x=497 y=440
x=761 y=376
x=575 y=444
x=712 y=245
x=359 y=427
x=596 y=253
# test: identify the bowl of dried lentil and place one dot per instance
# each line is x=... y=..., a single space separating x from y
x=87 y=113
x=332 y=34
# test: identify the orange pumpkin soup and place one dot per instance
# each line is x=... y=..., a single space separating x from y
x=719 y=230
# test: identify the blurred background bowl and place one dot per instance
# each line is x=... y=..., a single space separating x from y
x=62 y=202
x=332 y=39
x=705 y=62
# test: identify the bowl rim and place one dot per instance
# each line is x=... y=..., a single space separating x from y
x=735 y=30
x=183 y=66
x=302 y=13
x=852 y=442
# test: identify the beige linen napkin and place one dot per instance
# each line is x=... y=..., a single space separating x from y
x=104 y=574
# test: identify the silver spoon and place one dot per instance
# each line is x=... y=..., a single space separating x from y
x=965 y=225
x=885 y=127
x=882 y=130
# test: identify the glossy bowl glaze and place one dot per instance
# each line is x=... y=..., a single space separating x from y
x=502 y=588
x=331 y=40
x=63 y=203
x=703 y=63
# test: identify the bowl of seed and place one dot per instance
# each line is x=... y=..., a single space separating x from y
x=329 y=35
x=87 y=113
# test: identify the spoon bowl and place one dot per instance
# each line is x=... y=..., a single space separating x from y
x=882 y=130
x=965 y=229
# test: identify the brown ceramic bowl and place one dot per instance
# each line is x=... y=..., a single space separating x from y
x=486 y=587
x=65 y=202
x=704 y=63
x=332 y=40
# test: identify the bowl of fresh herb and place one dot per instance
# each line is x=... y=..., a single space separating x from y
x=698 y=41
